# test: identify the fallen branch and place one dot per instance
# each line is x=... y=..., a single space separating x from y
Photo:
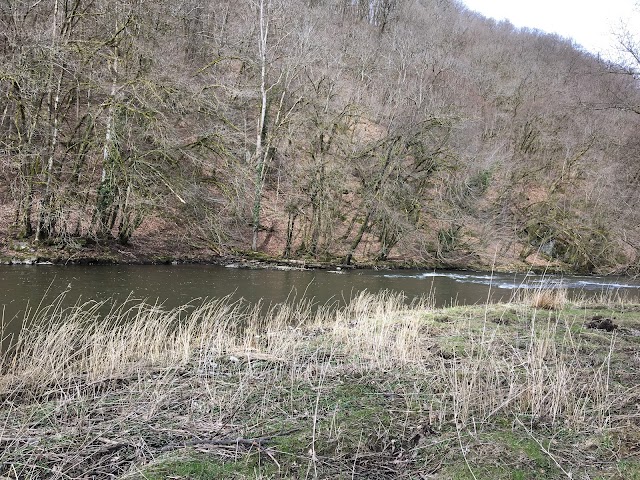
x=227 y=442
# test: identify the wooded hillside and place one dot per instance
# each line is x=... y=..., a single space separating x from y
x=341 y=130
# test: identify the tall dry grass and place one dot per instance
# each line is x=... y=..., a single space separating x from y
x=536 y=368
x=545 y=298
x=543 y=375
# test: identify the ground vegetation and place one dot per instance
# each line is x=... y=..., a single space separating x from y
x=541 y=386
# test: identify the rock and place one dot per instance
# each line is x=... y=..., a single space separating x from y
x=23 y=261
x=548 y=248
x=20 y=246
x=284 y=267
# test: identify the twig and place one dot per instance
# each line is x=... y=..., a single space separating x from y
x=543 y=449
x=464 y=455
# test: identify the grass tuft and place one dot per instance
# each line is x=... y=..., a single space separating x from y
x=547 y=298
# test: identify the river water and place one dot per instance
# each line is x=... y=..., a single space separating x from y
x=26 y=286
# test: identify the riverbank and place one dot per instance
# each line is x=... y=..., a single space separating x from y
x=159 y=242
x=374 y=390
x=112 y=253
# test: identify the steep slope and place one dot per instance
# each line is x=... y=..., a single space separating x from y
x=408 y=131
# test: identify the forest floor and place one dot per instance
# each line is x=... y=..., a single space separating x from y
x=542 y=389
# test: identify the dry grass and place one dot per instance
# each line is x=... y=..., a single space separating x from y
x=377 y=386
x=545 y=377
x=63 y=343
x=545 y=298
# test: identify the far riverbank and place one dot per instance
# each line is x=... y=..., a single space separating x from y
x=145 y=251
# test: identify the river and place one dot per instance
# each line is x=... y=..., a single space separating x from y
x=27 y=286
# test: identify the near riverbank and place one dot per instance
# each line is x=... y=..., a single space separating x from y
x=541 y=388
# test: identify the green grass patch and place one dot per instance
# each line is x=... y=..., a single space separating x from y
x=202 y=466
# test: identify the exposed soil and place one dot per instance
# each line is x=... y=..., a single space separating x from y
x=602 y=323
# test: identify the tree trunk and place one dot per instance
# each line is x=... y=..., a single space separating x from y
x=356 y=241
x=46 y=221
x=290 y=226
x=260 y=151
x=106 y=189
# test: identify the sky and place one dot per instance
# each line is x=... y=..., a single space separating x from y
x=589 y=22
